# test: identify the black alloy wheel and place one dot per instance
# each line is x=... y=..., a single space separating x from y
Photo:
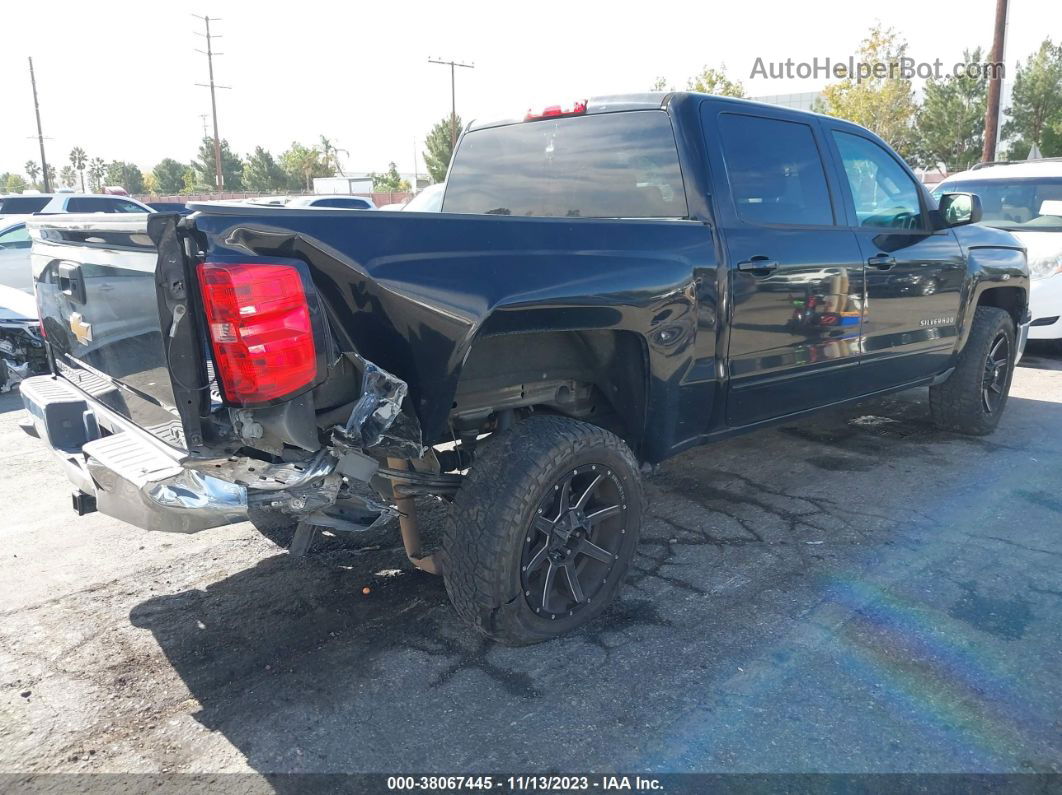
x=997 y=364
x=573 y=541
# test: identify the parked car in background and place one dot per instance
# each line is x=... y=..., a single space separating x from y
x=21 y=347
x=428 y=200
x=29 y=203
x=1025 y=198
x=333 y=202
x=22 y=351
x=269 y=201
x=15 y=257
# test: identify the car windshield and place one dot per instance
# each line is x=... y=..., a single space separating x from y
x=1019 y=204
x=22 y=205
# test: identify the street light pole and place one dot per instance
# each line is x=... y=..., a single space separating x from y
x=453 y=96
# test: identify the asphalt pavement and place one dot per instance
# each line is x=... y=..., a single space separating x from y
x=856 y=592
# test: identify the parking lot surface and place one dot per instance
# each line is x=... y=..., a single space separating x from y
x=853 y=592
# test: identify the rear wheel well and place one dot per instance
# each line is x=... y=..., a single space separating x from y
x=1010 y=299
x=597 y=376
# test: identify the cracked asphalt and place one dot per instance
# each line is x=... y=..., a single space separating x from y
x=854 y=592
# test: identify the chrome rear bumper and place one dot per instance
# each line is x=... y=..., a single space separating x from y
x=129 y=474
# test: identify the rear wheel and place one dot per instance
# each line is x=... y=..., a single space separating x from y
x=972 y=400
x=543 y=529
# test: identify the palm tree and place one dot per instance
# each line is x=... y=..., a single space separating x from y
x=68 y=177
x=96 y=169
x=78 y=159
x=330 y=155
x=32 y=170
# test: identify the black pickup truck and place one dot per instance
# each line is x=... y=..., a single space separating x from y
x=607 y=284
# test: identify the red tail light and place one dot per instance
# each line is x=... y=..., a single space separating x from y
x=260 y=328
x=576 y=109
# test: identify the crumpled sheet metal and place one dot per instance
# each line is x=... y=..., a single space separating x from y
x=377 y=420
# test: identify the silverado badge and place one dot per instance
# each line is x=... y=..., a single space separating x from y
x=81 y=329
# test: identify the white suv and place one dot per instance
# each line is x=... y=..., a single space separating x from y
x=1025 y=198
x=30 y=203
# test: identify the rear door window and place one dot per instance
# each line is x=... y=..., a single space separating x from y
x=775 y=171
x=608 y=165
x=89 y=204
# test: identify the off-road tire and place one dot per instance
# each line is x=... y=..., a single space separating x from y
x=484 y=534
x=957 y=404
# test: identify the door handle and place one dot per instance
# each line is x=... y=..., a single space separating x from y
x=71 y=282
x=760 y=264
x=882 y=262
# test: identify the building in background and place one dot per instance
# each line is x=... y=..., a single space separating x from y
x=342 y=185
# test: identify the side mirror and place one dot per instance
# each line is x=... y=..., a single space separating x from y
x=959 y=209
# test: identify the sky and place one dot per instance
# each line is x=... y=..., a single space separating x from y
x=118 y=78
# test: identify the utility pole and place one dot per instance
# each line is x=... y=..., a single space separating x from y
x=995 y=84
x=453 y=97
x=219 y=178
x=40 y=134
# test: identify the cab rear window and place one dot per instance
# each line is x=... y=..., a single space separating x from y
x=609 y=165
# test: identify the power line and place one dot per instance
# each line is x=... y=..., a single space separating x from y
x=453 y=97
x=219 y=177
x=40 y=134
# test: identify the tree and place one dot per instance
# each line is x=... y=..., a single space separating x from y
x=78 y=159
x=330 y=156
x=151 y=184
x=715 y=81
x=261 y=173
x=68 y=177
x=169 y=175
x=190 y=185
x=12 y=183
x=32 y=170
x=303 y=163
x=389 y=181
x=883 y=101
x=1036 y=102
x=949 y=126
x=127 y=175
x=708 y=81
x=97 y=169
x=438 y=149
x=231 y=166
x=51 y=180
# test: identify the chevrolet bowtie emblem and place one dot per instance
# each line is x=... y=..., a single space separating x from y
x=81 y=329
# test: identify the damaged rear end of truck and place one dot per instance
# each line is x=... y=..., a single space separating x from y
x=193 y=389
